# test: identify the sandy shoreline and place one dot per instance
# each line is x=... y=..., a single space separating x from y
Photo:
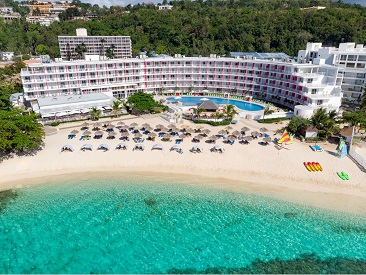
x=250 y=168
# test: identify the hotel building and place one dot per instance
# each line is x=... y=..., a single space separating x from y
x=349 y=58
x=95 y=45
x=285 y=83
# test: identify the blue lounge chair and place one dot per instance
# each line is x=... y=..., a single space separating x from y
x=234 y=121
x=81 y=138
x=231 y=143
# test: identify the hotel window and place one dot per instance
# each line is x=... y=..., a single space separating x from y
x=110 y=65
x=314 y=91
x=309 y=80
x=83 y=82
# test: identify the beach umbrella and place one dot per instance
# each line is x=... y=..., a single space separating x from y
x=138 y=135
x=231 y=137
x=255 y=133
x=87 y=133
x=87 y=147
x=152 y=134
x=110 y=126
x=189 y=130
x=267 y=139
x=67 y=147
x=182 y=136
x=133 y=124
x=222 y=132
x=228 y=127
x=85 y=124
x=149 y=128
x=245 y=129
x=206 y=131
x=125 y=134
x=164 y=129
x=120 y=123
x=159 y=126
x=157 y=147
x=103 y=147
x=112 y=134
x=171 y=126
x=145 y=125
x=99 y=133
x=248 y=138
x=174 y=129
x=96 y=125
x=236 y=133
x=199 y=137
x=184 y=126
x=74 y=132
x=121 y=145
x=199 y=127
x=263 y=129
x=212 y=138
x=125 y=127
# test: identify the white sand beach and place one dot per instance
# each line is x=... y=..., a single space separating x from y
x=262 y=169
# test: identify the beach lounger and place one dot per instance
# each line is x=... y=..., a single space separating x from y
x=231 y=143
x=81 y=138
x=316 y=148
x=234 y=121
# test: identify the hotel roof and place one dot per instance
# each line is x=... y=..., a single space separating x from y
x=68 y=99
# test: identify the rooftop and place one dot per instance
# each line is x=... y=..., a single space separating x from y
x=68 y=99
x=260 y=55
x=208 y=105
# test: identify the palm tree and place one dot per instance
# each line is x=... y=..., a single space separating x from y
x=80 y=50
x=325 y=122
x=110 y=52
x=363 y=102
x=218 y=115
x=94 y=113
x=230 y=111
x=101 y=52
x=267 y=111
x=116 y=107
x=199 y=111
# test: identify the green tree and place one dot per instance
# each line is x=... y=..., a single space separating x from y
x=80 y=50
x=230 y=111
x=95 y=113
x=267 y=111
x=218 y=115
x=324 y=122
x=198 y=112
x=116 y=107
x=297 y=123
x=142 y=102
x=19 y=132
x=355 y=118
x=41 y=49
x=110 y=52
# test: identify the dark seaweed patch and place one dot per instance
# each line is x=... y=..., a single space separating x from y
x=305 y=264
x=350 y=229
x=7 y=197
x=290 y=215
x=150 y=202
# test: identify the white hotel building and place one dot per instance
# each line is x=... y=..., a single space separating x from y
x=284 y=83
x=349 y=58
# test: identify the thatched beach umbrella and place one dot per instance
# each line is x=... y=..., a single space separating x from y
x=120 y=123
x=244 y=129
x=145 y=125
x=152 y=134
x=138 y=135
x=206 y=131
x=96 y=125
x=133 y=124
x=125 y=134
x=199 y=137
x=231 y=137
x=125 y=127
x=228 y=127
x=236 y=133
x=255 y=133
x=248 y=138
x=85 y=125
x=98 y=133
x=164 y=129
x=184 y=126
x=112 y=134
x=267 y=139
x=263 y=129
x=171 y=126
x=189 y=130
x=174 y=129
x=213 y=137
x=159 y=126
x=87 y=133
x=222 y=132
x=74 y=132
x=149 y=128
x=110 y=126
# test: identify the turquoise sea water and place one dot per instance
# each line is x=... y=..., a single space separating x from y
x=135 y=226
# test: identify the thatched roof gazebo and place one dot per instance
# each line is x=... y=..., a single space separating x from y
x=208 y=106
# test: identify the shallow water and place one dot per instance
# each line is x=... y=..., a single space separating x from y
x=152 y=226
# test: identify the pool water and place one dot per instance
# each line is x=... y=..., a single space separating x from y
x=194 y=100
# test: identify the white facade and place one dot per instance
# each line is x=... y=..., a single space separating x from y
x=6 y=56
x=349 y=58
x=165 y=7
x=94 y=44
x=284 y=83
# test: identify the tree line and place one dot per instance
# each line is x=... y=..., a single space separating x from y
x=200 y=27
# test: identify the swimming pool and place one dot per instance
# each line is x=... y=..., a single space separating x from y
x=194 y=100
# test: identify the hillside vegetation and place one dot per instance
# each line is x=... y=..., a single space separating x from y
x=201 y=27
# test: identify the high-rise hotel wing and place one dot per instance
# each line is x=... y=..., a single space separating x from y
x=94 y=45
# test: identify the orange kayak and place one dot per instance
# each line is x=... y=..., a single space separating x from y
x=308 y=167
x=320 y=168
